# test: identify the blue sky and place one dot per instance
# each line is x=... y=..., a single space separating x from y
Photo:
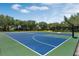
x=47 y=12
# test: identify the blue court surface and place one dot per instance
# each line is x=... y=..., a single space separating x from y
x=40 y=43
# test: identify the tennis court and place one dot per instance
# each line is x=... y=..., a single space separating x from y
x=41 y=43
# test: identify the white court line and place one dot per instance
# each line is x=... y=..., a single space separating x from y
x=20 y=32
x=23 y=45
x=57 y=46
x=33 y=37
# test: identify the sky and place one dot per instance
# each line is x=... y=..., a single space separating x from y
x=47 y=12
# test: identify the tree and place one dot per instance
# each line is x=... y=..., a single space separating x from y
x=42 y=25
x=31 y=25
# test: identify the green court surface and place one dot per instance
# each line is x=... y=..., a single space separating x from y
x=9 y=47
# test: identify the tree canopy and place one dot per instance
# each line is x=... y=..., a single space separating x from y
x=8 y=23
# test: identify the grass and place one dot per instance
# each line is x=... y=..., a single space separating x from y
x=8 y=47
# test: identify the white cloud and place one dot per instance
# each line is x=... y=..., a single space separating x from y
x=19 y=8
x=38 y=8
x=16 y=6
x=24 y=11
x=71 y=9
x=43 y=8
x=47 y=4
